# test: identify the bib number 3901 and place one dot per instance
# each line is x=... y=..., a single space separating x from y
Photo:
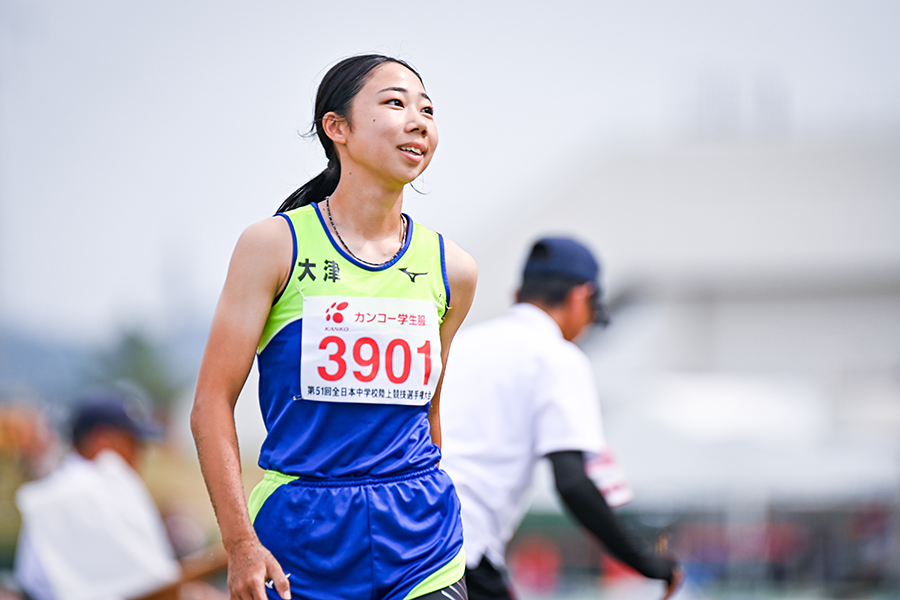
x=370 y=359
x=370 y=350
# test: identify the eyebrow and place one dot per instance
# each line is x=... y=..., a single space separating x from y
x=403 y=90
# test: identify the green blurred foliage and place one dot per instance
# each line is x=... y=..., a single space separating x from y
x=138 y=359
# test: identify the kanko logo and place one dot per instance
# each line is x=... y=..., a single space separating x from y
x=333 y=313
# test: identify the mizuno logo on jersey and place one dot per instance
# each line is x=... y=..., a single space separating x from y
x=412 y=276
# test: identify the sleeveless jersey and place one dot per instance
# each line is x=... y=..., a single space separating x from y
x=350 y=357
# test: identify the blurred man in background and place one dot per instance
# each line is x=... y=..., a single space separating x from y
x=518 y=389
x=90 y=529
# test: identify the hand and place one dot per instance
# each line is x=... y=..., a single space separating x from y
x=250 y=567
x=677 y=579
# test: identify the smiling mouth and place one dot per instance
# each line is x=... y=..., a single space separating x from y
x=415 y=151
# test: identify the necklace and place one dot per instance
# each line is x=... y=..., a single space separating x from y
x=347 y=248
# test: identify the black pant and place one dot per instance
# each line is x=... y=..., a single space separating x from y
x=485 y=582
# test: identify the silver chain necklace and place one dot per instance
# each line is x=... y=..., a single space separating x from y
x=347 y=248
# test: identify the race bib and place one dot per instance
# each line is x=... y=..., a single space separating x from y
x=604 y=470
x=369 y=350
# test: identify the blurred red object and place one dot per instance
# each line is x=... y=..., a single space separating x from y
x=535 y=563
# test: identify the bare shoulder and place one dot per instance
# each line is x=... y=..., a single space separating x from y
x=263 y=254
x=269 y=235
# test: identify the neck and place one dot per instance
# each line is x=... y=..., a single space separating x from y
x=562 y=317
x=371 y=232
x=371 y=214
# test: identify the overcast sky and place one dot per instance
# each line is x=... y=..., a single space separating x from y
x=137 y=140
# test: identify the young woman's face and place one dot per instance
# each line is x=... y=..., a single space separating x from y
x=391 y=131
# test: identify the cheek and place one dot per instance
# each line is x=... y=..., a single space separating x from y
x=433 y=143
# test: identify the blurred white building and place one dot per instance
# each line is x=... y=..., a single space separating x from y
x=754 y=354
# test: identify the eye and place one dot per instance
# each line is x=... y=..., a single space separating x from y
x=428 y=110
x=395 y=102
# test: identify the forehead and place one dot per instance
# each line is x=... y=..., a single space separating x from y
x=392 y=75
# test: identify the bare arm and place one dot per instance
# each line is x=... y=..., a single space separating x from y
x=259 y=268
x=462 y=274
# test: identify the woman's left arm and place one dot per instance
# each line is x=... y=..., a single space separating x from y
x=462 y=274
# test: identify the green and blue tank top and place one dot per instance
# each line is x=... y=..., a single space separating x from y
x=350 y=357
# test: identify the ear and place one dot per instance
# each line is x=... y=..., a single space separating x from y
x=579 y=294
x=335 y=127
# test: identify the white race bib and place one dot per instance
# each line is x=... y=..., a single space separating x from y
x=369 y=350
x=604 y=470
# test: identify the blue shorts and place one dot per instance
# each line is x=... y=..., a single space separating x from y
x=377 y=539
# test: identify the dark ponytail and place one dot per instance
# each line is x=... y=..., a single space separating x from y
x=336 y=92
x=314 y=190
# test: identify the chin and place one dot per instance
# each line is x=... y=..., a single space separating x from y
x=407 y=178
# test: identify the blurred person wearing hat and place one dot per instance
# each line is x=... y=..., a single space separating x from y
x=90 y=528
x=517 y=390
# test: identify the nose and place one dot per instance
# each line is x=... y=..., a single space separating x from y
x=418 y=123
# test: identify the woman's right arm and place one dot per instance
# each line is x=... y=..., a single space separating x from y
x=259 y=268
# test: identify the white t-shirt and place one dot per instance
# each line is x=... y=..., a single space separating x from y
x=514 y=391
x=92 y=532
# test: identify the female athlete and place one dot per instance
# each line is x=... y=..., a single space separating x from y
x=349 y=307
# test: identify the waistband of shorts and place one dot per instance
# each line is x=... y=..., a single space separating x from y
x=335 y=482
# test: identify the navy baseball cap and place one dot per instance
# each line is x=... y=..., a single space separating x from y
x=119 y=411
x=562 y=257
